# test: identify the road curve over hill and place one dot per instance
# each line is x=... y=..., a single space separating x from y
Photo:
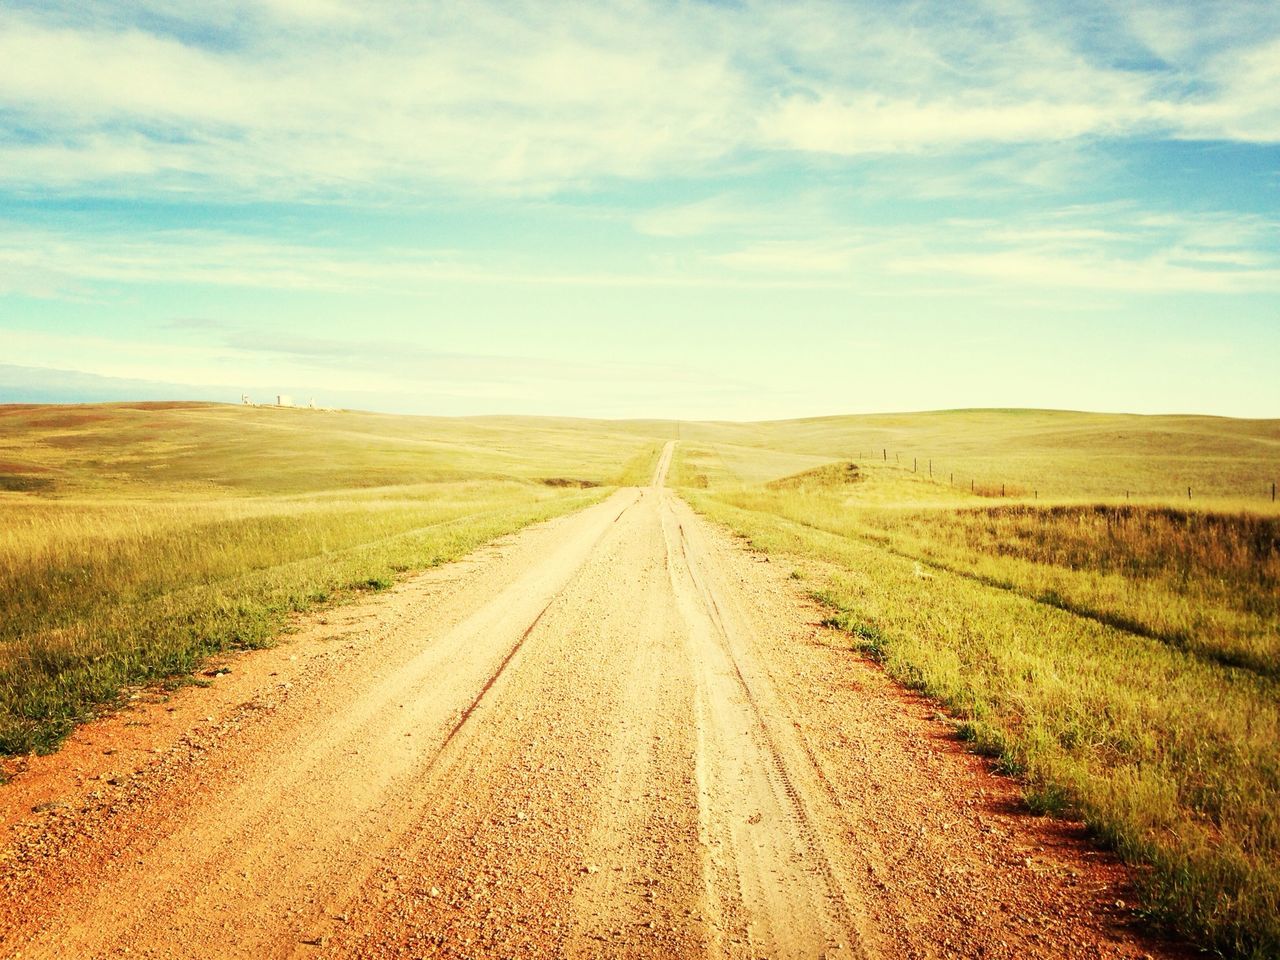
x=616 y=734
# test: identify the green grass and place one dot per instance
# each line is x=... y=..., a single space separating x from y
x=1121 y=657
x=1204 y=582
x=1093 y=631
x=160 y=534
x=1060 y=454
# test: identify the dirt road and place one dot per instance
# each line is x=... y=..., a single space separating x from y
x=615 y=734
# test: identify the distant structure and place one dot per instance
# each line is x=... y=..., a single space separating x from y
x=282 y=400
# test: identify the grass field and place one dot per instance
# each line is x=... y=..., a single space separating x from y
x=1121 y=655
x=1105 y=637
x=1059 y=454
x=137 y=539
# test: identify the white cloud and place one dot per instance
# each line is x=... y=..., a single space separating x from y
x=871 y=124
x=833 y=257
x=1014 y=269
x=403 y=374
x=735 y=244
x=486 y=99
x=43 y=263
x=694 y=219
x=319 y=96
x=1031 y=87
x=1112 y=248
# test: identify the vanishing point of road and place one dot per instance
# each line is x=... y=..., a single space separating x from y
x=616 y=734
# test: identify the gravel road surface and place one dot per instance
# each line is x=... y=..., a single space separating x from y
x=616 y=734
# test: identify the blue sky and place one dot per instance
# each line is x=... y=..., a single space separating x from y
x=682 y=209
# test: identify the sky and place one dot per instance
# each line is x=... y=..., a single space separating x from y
x=729 y=210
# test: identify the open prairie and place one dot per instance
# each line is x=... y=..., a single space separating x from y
x=615 y=634
x=512 y=687
x=138 y=539
x=1061 y=455
x=1110 y=641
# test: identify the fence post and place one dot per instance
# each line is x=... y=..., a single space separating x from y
x=1273 y=486
x=1273 y=491
x=971 y=484
x=886 y=454
x=1002 y=489
x=914 y=463
x=1188 y=493
x=931 y=468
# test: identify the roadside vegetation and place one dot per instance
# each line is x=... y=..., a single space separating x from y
x=137 y=540
x=1122 y=657
x=1104 y=637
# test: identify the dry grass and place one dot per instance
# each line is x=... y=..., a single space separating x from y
x=1123 y=658
x=1060 y=454
x=1118 y=651
x=1204 y=582
x=162 y=533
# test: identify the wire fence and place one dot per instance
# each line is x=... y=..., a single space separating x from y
x=1265 y=491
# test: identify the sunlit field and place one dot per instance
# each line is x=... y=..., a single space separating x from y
x=1121 y=654
x=1102 y=635
x=1053 y=454
x=136 y=540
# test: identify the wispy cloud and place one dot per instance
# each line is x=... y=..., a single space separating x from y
x=1018 y=269
x=1108 y=248
x=1117 y=247
x=500 y=199
x=295 y=98
x=400 y=95
x=48 y=263
x=831 y=257
x=712 y=214
x=395 y=374
x=56 y=265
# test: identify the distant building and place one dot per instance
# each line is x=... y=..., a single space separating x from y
x=284 y=400
x=244 y=398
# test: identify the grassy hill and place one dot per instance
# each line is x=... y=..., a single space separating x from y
x=139 y=538
x=1120 y=654
x=159 y=449
x=1042 y=573
x=181 y=449
x=1059 y=454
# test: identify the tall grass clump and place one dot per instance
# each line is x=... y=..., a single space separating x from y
x=1201 y=581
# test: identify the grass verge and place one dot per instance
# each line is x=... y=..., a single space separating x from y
x=1049 y=634
x=160 y=534
x=149 y=606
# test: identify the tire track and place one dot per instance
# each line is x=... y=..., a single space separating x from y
x=328 y=794
x=520 y=641
x=616 y=736
x=828 y=906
